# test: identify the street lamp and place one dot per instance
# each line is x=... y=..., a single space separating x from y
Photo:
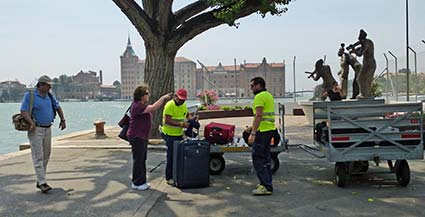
x=416 y=74
x=407 y=51
x=386 y=68
x=396 y=75
x=295 y=88
x=236 y=84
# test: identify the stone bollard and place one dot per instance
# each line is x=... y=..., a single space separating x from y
x=100 y=129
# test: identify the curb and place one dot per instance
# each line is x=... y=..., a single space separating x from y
x=150 y=147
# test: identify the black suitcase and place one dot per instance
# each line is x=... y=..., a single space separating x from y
x=191 y=163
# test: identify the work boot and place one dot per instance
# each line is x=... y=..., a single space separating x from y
x=261 y=190
x=170 y=182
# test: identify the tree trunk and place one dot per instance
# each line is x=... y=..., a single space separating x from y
x=159 y=75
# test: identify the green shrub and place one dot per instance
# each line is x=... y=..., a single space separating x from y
x=226 y=108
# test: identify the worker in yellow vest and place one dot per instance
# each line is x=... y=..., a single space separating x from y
x=173 y=122
x=263 y=128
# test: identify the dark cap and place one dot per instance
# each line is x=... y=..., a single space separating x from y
x=319 y=63
x=362 y=34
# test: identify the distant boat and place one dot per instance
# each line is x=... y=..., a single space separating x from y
x=73 y=100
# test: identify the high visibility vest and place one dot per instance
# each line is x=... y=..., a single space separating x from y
x=177 y=113
x=265 y=99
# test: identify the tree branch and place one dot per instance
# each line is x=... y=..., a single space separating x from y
x=150 y=7
x=203 y=22
x=164 y=14
x=138 y=18
x=190 y=10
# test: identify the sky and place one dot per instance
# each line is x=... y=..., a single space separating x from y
x=63 y=37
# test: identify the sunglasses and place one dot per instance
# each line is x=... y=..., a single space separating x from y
x=45 y=84
x=253 y=85
x=147 y=93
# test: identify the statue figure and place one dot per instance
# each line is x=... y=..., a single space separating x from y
x=347 y=60
x=324 y=72
x=364 y=47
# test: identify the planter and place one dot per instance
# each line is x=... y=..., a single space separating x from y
x=207 y=114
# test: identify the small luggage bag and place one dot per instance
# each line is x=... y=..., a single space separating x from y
x=191 y=163
x=219 y=133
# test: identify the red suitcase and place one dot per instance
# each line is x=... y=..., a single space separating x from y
x=219 y=133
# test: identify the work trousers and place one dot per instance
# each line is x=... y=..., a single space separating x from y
x=261 y=158
x=169 y=141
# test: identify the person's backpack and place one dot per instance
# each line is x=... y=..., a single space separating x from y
x=19 y=121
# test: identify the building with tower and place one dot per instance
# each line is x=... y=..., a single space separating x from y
x=132 y=73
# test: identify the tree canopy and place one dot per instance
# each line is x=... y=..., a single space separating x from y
x=157 y=23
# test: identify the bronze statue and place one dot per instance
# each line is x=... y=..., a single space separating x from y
x=347 y=60
x=324 y=72
x=364 y=47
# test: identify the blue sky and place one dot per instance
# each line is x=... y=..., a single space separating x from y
x=64 y=37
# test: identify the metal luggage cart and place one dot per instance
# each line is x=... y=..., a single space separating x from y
x=217 y=162
x=352 y=133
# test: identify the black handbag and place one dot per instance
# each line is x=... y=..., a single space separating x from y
x=124 y=123
x=123 y=132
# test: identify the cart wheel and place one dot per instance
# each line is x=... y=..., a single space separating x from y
x=365 y=166
x=217 y=164
x=341 y=175
x=275 y=162
x=402 y=172
x=360 y=166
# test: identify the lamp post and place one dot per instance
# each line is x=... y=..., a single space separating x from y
x=236 y=84
x=407 y=51
x=396 y=75
x=386 y=68
x=295 y=88
x=416 y=74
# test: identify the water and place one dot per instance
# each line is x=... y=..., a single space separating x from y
x=79 y=116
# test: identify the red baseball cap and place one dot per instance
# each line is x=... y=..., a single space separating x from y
x=181 y=94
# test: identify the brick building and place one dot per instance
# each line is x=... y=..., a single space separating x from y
x=231 y=81
x=83 y=85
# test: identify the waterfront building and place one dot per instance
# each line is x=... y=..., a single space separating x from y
x=132 y=73
x=231 y=80
x=12 y=90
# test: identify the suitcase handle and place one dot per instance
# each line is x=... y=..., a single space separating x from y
x=216 y=128
x=214 y=133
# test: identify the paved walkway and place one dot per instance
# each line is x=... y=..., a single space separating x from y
x=92 y=178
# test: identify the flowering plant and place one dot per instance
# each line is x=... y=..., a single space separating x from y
x=208 y=97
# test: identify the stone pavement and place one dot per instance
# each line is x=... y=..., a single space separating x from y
x=92 y=178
